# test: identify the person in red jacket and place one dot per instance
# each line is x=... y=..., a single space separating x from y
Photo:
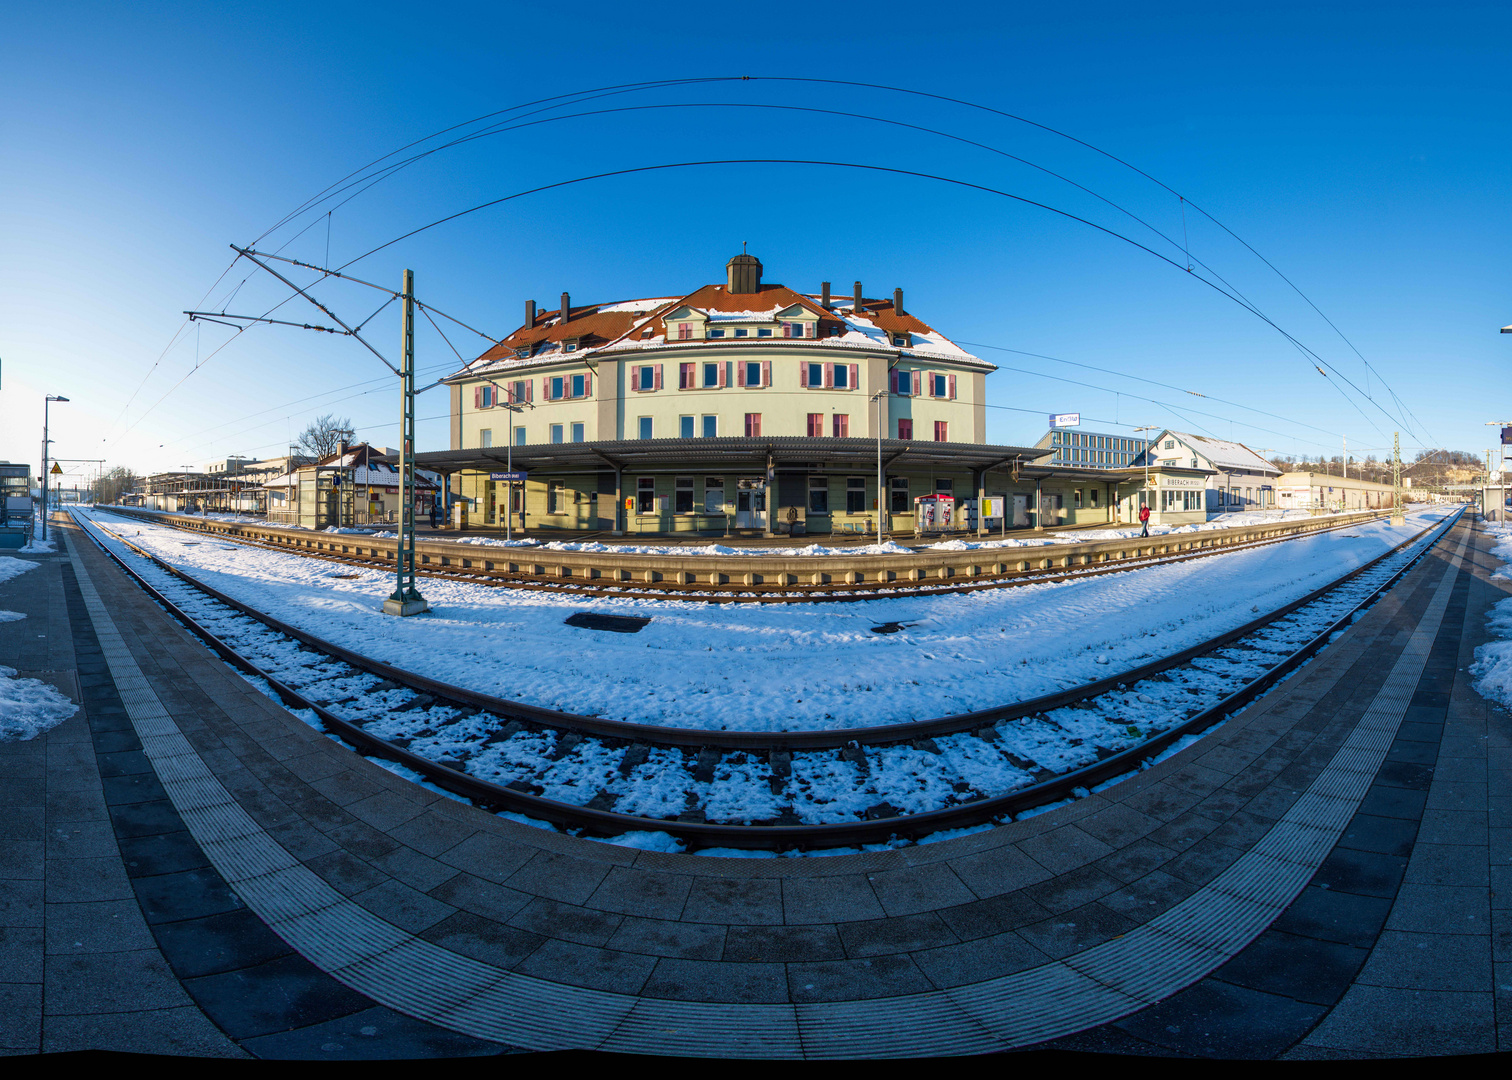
x=1144 y=519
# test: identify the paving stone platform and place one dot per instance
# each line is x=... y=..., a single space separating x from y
x=1325 y=875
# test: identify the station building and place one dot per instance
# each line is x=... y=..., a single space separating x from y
x=1091 y=449
x=1237 y=477
x=744 y=405
x=1320 y=491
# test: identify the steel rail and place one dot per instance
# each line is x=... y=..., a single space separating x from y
x=797 y=593
x=496 y=797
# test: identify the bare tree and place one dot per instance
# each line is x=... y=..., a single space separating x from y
x=325 y=435
x=114 y=484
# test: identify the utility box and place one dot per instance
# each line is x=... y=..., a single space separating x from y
x=459 y=514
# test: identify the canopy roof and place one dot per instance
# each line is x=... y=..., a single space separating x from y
x=741 y=454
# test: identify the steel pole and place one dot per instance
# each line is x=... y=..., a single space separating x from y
x=881 y=493
x=43 y=485
x=406 y=600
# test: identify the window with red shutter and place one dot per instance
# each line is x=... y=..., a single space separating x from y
x=840 y=426
x=941 y=431
x=905 y=428
x=753 y=425
x=684 y=376
x=815 y=425
x=766 y=373
x=658 y=380
x=950 y=392
x=855 y=376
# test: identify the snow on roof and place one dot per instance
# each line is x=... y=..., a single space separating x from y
x=1225 y=454
x=632 y=325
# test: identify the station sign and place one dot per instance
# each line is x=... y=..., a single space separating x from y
x=1507 y=436
x=513 y=477
x=1070 y=419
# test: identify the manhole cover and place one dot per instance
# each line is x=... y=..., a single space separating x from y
x=619 y=624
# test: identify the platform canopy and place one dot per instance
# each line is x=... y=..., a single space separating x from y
x=734 y=455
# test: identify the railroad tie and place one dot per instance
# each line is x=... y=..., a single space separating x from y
x=857 y=757
x=703 y=771
x=636 y=754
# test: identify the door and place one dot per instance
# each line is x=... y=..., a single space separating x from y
x=1020 y=511
x=750 y=505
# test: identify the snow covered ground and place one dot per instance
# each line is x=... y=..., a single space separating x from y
x=1492 y=669
x=27 y=707
x=759 y=667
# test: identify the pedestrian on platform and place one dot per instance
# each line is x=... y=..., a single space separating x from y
x=1144 y=519
x=433 y=512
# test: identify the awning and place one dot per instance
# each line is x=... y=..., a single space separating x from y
x=749 y=455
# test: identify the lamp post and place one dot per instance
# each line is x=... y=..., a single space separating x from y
x=879 y=397
x=1146 y=456
x=45 y=441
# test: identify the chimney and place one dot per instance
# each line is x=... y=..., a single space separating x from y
x=566 y=307
x=743 y=274
x=824 y=295
x=856 y=307
x=529 y=314
x=897 y=301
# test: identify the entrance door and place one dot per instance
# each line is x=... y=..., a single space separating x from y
x=1020 y=511
x=750 y=506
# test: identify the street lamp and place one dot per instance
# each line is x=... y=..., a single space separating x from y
x=45 y=440
x=1144 y=496
x=879 y=397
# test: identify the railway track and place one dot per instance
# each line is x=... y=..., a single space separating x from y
x=740 y=593
x=767 y=790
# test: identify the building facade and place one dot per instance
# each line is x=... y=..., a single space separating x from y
x=1320 y=491
x=1238 y=478
x=1090 y=449
x=689 y=389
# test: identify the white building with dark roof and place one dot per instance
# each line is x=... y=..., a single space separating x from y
x=1240 y=478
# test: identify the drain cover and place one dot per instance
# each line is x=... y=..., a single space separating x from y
x=619 y=624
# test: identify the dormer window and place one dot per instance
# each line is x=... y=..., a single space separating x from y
x=900 y=340
x=792 y=330
x=523 y=352
x=684 y=331
x=570 y=346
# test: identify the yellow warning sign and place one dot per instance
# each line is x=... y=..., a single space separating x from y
x=56 y=470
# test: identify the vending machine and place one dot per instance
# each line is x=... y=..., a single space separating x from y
x=934 y=512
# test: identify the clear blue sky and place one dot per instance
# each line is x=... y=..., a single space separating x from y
x=1362 y=148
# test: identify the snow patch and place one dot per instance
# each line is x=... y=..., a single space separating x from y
x=28 y=707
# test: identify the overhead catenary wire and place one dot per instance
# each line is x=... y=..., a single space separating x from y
x=971 y=185
x=565 y=99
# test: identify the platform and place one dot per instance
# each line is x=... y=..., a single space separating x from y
x=186 y=868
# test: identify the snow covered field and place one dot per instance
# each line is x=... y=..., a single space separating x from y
x=751 y=667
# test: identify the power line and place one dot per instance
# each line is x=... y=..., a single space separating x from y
x=987 y=189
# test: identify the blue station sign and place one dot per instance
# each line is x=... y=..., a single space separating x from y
x=516 y=477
